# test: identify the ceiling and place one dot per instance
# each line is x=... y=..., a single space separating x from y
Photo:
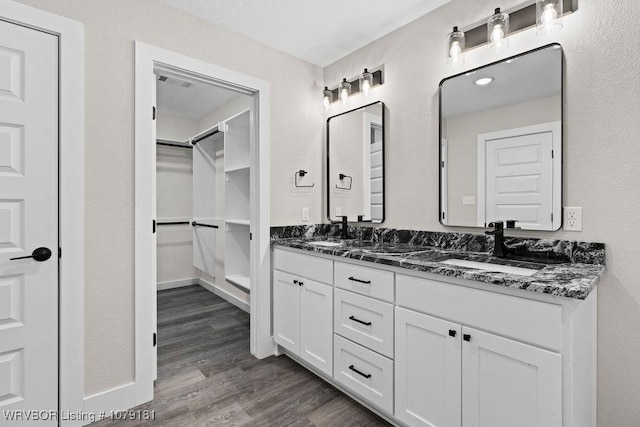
x=317 y=31
x=193 y=102
x=525 y=78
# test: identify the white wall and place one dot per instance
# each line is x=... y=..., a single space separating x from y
x=174 y=184
x=601 y=153
x=111 y=26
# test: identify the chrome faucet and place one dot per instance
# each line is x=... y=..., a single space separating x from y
x=500 y=250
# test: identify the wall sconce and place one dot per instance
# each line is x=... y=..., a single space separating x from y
x=366 y=81
x=548 y=16
x=497 y=31
x=363 y=83
x=344 y=89
x=455 y=46
x=327 y=97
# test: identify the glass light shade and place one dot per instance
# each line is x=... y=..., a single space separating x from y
x=455 y=47
x=366 y=81
x=548 y=16
x=344 y=90
x=327 y=97
x=497 y=31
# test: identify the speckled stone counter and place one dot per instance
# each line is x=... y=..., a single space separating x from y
x=565 y=268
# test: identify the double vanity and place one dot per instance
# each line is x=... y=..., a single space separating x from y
x=429 y=329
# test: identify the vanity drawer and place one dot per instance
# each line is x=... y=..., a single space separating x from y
x=309 y=266
x=535 y=322
x=366 y=373
x=364 y=320
x=364 y=280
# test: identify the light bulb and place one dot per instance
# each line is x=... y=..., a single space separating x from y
x=344 y=95
x=327 y=97
x=455 y=47
x=366 y=81
x=497 y=35
x=344 y=90
x=326 y=102
x=455 y=50
x=549 y=15
x=365 y=87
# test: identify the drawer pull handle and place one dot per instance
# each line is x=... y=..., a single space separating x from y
x=358 y=372
x=359 y=321
x=360 y=281
x=466 y=337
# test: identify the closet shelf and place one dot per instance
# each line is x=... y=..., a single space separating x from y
x=240 y=281
x=238 y=221
x=241 y=168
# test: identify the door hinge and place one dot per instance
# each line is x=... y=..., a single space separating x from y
x=154 y=113
x=442 y=215
x=552 y=217
x=155 y=339
x=250 y=236
x=59 y=252
x=442 y=163
x=552 y=154
x=154 y=226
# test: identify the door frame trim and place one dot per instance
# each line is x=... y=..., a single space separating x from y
x=147 y=58
x=71 y=194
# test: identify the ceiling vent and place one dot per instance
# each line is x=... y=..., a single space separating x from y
x=174 y=81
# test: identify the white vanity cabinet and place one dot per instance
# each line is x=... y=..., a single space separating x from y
x=303 y=308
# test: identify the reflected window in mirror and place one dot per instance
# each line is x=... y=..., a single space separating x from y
x=501 y=143
x=355 y=165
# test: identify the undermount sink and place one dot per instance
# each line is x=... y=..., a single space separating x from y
x=520 y=271
x=326 y=244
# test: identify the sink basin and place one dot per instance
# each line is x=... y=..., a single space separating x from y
x=490 y=267
x=325 y=244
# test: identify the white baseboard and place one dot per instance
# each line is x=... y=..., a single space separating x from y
x=225 y=295
x=163 y=286
x=117 y=399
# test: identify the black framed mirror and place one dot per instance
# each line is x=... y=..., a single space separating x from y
x=355 y=165
x=501 y=142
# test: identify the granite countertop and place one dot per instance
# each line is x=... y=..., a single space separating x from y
x=560 y=277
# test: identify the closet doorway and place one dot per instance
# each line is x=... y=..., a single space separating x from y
x=202 y=180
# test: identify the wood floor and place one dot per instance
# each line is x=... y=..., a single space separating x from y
x=206 y=375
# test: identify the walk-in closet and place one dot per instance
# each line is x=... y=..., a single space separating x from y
x=203 y=194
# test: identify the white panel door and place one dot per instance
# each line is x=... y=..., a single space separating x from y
x=428 y=370
x=28 y=220
x=316 y=324
x=286 y=310
x=204 y=202
x=519 y=180
x=506 y=383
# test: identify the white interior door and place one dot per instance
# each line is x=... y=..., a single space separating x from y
x=518 y=176
x=372 y=168
x=204 y=203
x=28 y=220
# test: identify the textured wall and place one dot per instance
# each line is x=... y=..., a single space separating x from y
x=601 y=149
x=111 y=26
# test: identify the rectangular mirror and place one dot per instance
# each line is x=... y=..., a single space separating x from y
x=501 y=143
x=355 y=165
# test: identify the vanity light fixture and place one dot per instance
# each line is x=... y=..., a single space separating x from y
x=455 y=46
x=484 y=81
x=327 y=97
x=548 y=16
x=366 y=81
x=344 y=89
x=497 y=31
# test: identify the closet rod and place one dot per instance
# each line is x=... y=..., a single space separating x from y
x=174 y=223
x=173 y=144
x=197 y=139
x=203 y=225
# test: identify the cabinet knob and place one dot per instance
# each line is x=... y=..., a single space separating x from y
x=466 y=337
x=295 y=282
x=300 y=283
x=452 y=333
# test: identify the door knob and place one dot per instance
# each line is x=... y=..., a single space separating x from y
x=39 y=254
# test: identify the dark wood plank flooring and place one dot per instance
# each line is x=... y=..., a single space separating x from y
x=206 y=375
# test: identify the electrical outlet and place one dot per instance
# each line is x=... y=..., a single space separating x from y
x=305 y=214
x=573 y=219
x=338 y=211
x=468 y=200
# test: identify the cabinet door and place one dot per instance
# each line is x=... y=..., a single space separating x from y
x=316 y=325
x=506 y=383
x=428 y=370
x=286 y=310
